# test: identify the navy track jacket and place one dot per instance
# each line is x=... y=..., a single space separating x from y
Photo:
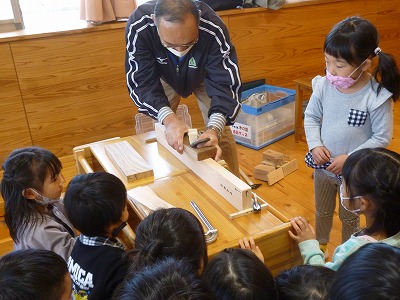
x=211 y=60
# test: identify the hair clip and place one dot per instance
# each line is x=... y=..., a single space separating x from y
x=377 y=50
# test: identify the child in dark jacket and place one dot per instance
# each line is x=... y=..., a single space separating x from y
x=96 y=205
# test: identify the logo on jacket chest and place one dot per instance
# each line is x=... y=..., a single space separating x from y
x=162 y=61
x=192 y=63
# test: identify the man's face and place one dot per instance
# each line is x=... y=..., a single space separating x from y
x=179 y=36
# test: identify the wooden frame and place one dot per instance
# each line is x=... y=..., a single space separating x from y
x=178 y=185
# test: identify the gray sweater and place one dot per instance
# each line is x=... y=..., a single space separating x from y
x=51 y=234
x=344 y=123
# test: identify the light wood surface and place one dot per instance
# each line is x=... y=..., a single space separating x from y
x=220 y=179
x=292 y=196
x=14 y=130
x=198 y=153
x=179 y=185
x=128 y=161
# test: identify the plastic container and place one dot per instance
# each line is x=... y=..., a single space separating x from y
x=267 y=115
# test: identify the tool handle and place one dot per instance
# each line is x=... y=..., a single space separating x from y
x=245 y=177
x=198 y=142
x=201 y=215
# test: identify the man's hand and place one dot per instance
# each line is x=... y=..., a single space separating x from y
x=212 y=134
x=175 y=130
x=304 y=231
x=320 y=155
x=337 y=164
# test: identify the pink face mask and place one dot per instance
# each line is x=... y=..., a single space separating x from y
x=343 y=82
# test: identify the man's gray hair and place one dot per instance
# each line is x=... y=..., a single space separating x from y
x=175 y=11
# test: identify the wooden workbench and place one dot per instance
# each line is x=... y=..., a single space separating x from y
x=178 y=185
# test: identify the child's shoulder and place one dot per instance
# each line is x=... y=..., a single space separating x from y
x=318 y=81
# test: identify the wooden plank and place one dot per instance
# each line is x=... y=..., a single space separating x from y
x=128 y=161
x=230 y=187
x=289 y=167
x=95 y=157
x=274 y=176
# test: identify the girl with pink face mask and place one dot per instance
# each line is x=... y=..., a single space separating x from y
x=371 y=187
x=349 y=109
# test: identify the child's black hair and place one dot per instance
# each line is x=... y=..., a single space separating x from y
x=95 y=201
x=355 y=39
x=25 y=168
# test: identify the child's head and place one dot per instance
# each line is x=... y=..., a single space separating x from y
x=356 y=40
x=304 y=282
x=373 y=175
x=239 y=274
x=372 y=272
x=95 y=203
x=32 y=178
x=169 y=278
x=34 y=274
x=172 y=232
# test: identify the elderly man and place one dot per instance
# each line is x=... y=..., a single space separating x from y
x=178 y=47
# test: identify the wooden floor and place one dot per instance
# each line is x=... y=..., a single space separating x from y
x=292 y=196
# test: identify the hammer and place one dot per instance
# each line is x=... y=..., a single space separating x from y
x=247 y=179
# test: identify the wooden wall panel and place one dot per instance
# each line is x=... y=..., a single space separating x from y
x=14 y=130
x=388 y=23
x=74 y=88
x=286 y=44
x=73 y=84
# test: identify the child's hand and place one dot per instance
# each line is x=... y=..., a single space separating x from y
x=304 y=231
x=251 y=245
x=320 y=155
x=337 y=164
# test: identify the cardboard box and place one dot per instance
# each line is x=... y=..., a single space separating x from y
x=267 y=115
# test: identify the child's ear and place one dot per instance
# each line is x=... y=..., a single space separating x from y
x=29 y=194
x=365 y=204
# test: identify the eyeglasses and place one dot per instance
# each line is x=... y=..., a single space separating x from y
x=177 y=46
x=180 y=46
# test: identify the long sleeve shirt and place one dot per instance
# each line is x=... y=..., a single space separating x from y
x=312 y=254
x=344 y=123
x=211 y=60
